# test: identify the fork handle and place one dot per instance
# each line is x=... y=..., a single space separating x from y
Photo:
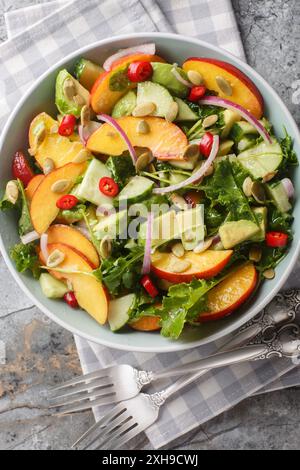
x=222 y=359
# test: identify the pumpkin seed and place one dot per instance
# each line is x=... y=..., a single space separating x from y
x=82 y=156
x=269 y=274
x=258 y=192
x=269 y=176
x=178 y=250
x=195 y=77
x=191 y=151
x=143 y=161
x=224 y=85
x=55 y=259
x=210 y=121
x=143 y=127
x=255 y=254
x=247 y=186
x=179 y=201
x=69 y=89
x=85 y=115
x=172 y=112
x=39 y=136
x=179 y=266
x=203 y=246
x=105 y=247
x=12 y=192
x=144 y=109
x=48 y=166
x=79 y=100
x=60 y=186
x=151 y=168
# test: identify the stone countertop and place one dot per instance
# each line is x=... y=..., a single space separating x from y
x=40 y=353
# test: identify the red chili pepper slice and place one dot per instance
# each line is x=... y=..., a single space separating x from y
x=71 y=300
x=21 y=169
x=206 y=144
x=67 y=125
x=108 y=186
x=148 y=285
x=197 y=92
x=276 y=239
x=139 y=71
x=67 y=202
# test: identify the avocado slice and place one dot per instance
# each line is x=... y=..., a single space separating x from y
x=230 y=117
x=113 y=225
x=87 y=73
x=157 y=94
x=236 y=232
x=184 y=112
x=165 y=228
x=120 y=310
x=261 y=214
x=279 y=197
x=191 y=227
x=51 y=287
x=125 y=105
x=64 y=104
x=162 y=74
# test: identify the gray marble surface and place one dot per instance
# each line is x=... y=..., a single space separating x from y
x=38 y=352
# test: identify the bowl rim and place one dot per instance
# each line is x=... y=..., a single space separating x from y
x=171 y=346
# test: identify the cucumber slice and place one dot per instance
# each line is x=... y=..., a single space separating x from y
x=279 y=197
x=240 y=129
x=157 y=94
x=87 y=73
x=125 y=105
x=246 y=143
x=230 y=117
x=88 y=189
x=137 y=189
x=51 y=287
x=184 y=112
x=261 y=159
x=112 y=226
x=119 y=311
x=225 y=148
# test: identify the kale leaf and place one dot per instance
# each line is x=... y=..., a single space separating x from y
x=121 y=169
x=289 y=155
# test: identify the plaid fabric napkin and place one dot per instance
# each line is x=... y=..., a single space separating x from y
x=61 y=28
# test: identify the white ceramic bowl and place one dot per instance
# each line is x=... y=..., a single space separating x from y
x=41 y=98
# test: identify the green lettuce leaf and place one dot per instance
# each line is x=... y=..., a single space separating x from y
x=25 y=224
x=26 y=258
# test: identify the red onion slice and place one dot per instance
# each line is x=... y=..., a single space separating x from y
x=224 y=103
x=149 y=49
x=147 y=255
x=288 y=187
x=44 y=246
x=197 y=175
x=180 y=78
x=118 y=128
x=30 y=237
x=85 y=132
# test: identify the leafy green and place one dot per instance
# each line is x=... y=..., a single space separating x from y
x=73 y=215
x=25 y=224
x=183 y=303
x=197 y=130
x=6 y=205
x=271 y=257
x=25 y=257
x=289 y=155
x=144 y=305
x=279 y=222
x=122 y=272
x=121 y=169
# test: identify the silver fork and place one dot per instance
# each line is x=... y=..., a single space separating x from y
x=122 y=382
x=132 y=417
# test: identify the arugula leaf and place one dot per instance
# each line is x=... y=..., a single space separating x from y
x=25 y=257
x=289 y=155
x=121 y=169
x=25 y=224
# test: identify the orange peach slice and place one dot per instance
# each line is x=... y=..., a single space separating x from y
x=165 y=139
x=88 y=290
x=230 y=293
x=244 y=91
x=33 y=185
x=61 y=150
x=146 y=324
x=201 y=265
x=76 y=240
x=102 y=98
x=43 y=209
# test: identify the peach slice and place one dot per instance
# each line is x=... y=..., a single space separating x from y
x=244 y=91
x=33 y=185
x=165 y=139
x=88 y=290
x=61 y=150
x=146 y=324
x=230 y=293
x=76 y=240
x=202 y=265
x=43 y=210
x=102 y=98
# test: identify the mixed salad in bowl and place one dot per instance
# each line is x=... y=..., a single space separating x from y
x=158 y=197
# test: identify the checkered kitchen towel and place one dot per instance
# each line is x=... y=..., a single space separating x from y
x=61 y=28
